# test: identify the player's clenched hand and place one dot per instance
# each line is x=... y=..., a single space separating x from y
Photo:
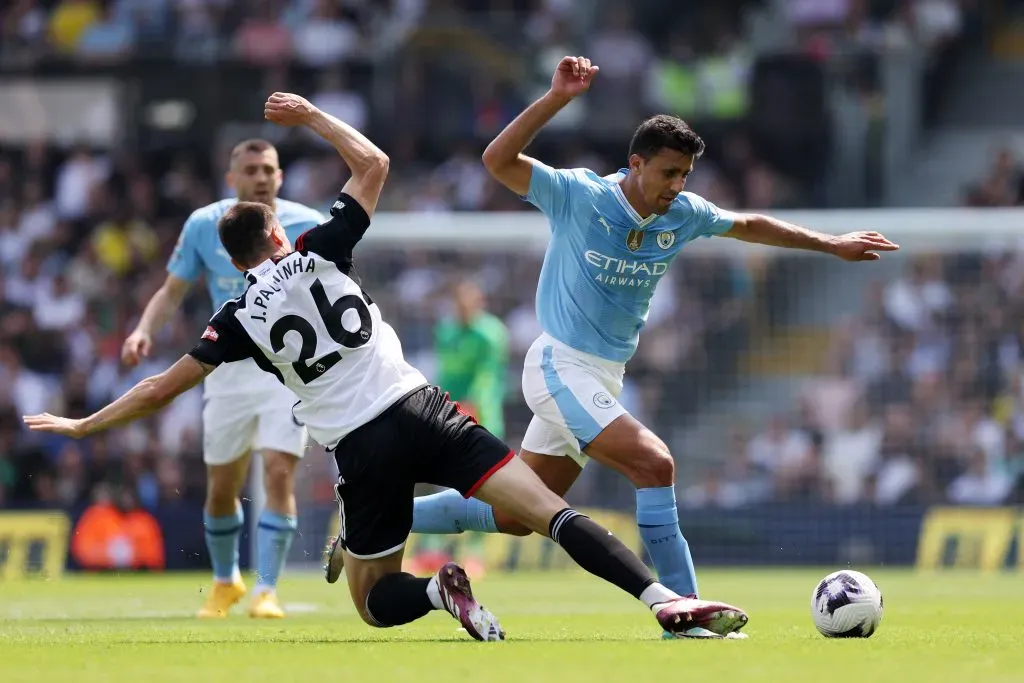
x=286 y=109
x=573 y=76
x=54 y=424
x=861 y=246
x=136 y=347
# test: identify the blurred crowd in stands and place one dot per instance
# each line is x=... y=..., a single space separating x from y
x=457 y=70
x=922 y=402
x=925 y=388
x=83 y=243
x=1002 y=185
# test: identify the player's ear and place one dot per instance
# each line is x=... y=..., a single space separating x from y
x=229 y=180
x=635 y=161
x=237 y=265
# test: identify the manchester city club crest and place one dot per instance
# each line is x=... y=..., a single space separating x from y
x=666 y=239
x=635 y=239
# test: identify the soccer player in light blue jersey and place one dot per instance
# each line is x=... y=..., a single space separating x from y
x=245 y=409
x=612 y=240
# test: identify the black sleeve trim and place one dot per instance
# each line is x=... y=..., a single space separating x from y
x=335 y=238
x=224 y=340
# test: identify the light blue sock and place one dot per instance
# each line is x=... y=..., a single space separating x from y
x=448 y=512
x=658 y=519
x=222 y=535
x=274 y=534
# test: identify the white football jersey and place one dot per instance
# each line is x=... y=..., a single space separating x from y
x=304 y=320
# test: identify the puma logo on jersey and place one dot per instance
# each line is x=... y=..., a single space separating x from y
x=607 y=226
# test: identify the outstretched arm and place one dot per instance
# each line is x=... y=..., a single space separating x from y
x=503 y=158
x=368 y=164
x=145 y=398
x=853 y=246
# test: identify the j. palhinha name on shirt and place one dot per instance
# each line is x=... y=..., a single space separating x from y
x=284 y=270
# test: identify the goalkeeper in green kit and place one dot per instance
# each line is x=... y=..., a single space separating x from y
x=472 y=364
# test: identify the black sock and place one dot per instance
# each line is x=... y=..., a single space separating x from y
x=594 y=548
x=397 y=599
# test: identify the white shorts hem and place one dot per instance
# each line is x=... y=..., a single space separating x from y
x=377 y=556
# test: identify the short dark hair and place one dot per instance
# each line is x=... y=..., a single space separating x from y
x=664 y=131
x=244 y=231
x=250 y=145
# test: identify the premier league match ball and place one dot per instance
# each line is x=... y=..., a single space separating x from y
x=846 y=604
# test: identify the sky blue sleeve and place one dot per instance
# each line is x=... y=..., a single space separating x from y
x=710 y=220
x=549 y=190
x=315 y=217
x=185 y=262
x=309 y=220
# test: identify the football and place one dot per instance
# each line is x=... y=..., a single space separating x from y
x=846 y=604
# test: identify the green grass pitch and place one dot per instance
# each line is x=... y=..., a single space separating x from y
x=562 y=627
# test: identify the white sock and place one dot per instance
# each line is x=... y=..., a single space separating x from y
x=656 y=594
x=235 y=578
x=434 y=593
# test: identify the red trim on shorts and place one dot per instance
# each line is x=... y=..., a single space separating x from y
x=490 y=473
x=462 y=411
x=459 y=409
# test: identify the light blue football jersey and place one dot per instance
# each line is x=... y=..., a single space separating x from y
x=199 y=251
x=604 y=261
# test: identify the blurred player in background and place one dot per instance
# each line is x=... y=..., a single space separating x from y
x=472 y=352
x=245 y=410
x=612 y=239
x=471 y=348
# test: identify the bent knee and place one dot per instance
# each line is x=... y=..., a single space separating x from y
x=223 y=483
x=655 y=467
x=278 y=469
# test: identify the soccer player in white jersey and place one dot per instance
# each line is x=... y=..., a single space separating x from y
x=305 y=321
x=244 y=410
x=612 y=239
